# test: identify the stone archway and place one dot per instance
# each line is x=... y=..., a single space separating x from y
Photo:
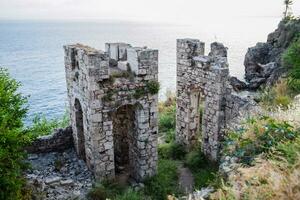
x=80 y=130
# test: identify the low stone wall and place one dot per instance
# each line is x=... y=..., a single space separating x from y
x=60 y=140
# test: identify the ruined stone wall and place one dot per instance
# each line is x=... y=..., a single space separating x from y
x=102 y=86
x=205 y=78
x=59 y=140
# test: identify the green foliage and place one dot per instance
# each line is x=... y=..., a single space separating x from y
x=171 y=151
x=195 y=160
x=289 y=151
x=106 y=189
x=259 y=136
x=167 y=118
x=291 y=60
x=139 y=92
x=12 y=138
x=130 y=194
x=204 y=171
x=152 y=87
x=165 y=182
x=42 y=126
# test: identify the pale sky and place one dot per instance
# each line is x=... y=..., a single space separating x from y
x=142 y=10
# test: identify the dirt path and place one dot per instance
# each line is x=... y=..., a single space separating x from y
x=186 y=179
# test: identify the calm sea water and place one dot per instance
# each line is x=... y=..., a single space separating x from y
x=33 y=53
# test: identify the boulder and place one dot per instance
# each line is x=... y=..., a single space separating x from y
x=237 y=84
x=264 y=59
x=255 y=57
x=255 y=83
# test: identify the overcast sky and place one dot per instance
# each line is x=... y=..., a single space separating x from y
x=143 y=10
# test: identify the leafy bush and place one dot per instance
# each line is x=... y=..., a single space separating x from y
x=164 y=183
x=12 y=138
x=130 y=194
x=258 y=136
x=291 y=60
x=152 y=87
x=288 y=151
x=42 y=126
x=195 y=160
x=171 y=151
x=204 y=171
x=167 y=118
x=106 y=189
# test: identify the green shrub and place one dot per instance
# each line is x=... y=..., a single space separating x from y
x=152 y=87
x=167 y=119
x=170 y=136
x=291 y=60
x=42 y=126
x=258 y=136
x=139 y=92
x=106 y=189
x=171 y=151
x=12 y=138
x=164 y=183
x=195 y=160
x=130 y=194
x=204 y=171
x=289 y=151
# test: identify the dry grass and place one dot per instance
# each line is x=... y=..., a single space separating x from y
x=277 y=96
x=292 y=114
x=275 y=178
x=267 y=180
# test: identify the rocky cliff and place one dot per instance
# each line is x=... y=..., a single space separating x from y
x=263 y=61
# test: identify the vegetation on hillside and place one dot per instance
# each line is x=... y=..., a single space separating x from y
x=291 y=60
x=282 y=93
x=12 y=138
x=42 y=126
x=270 y=148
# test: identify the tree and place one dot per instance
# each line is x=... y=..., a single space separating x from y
x=287 y=4
x=12 y=138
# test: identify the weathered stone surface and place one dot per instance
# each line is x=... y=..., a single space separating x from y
x=58 y=175
x=51 y=180
x=218 y=49
x=59 y=140
x=203 y=83
x=264 y=59
x=113 y=117
x=237 y=84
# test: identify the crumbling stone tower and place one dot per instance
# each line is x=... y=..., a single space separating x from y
x=113 y=107
x=202 y=89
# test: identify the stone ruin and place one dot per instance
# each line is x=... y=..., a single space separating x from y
x=205 y=102
x=114 y=112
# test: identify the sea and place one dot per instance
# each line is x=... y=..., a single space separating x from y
x=32 y=50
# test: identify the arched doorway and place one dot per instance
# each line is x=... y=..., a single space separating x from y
x=79 y=130
x=123 y=132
